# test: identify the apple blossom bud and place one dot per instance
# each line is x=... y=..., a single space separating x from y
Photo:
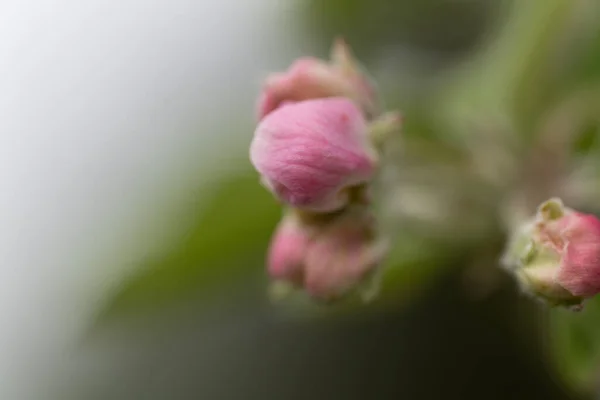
x=556 y=255
x=311 y=78
x=327 y=259
x=311 y=152
x=576 y=238
x=345 y=256
x=288 y=249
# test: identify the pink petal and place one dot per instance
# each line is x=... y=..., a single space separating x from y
x=579 y=271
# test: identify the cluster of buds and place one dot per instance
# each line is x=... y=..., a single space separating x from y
x=317 y=148
x=555 y=256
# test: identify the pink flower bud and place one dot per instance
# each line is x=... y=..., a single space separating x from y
x=311 y=78
x=556 y=256
x=308 y=153
x=326 y=259
x=343 y=257
x=288 y=249
x=576 y=238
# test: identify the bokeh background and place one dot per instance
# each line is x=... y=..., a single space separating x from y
x=134 y=228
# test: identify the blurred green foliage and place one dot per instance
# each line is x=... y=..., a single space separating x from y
x=225 y=243
x=545 y=53
x=447 y=27
x=575 y=346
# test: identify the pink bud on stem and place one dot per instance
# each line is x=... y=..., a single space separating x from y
x=556 y=255
x=309 y=152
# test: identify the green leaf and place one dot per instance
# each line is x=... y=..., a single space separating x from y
x=575 y=345
x=227 y=241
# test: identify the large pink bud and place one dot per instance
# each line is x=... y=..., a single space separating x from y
x=308 y=153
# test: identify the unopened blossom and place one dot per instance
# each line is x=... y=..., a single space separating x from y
x=288 y=248
x=345 y=256
x=330 y=259
x=556 y=255
x=310 y=153
x=312 y=78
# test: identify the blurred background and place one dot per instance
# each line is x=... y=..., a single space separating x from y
x=134 y=228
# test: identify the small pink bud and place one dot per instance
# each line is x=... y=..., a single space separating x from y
x=326 y=259
x=557 y=254
x=288 y=249
x=343 y=257
x=311 y=78
x=308 y=153
x=579 y=270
